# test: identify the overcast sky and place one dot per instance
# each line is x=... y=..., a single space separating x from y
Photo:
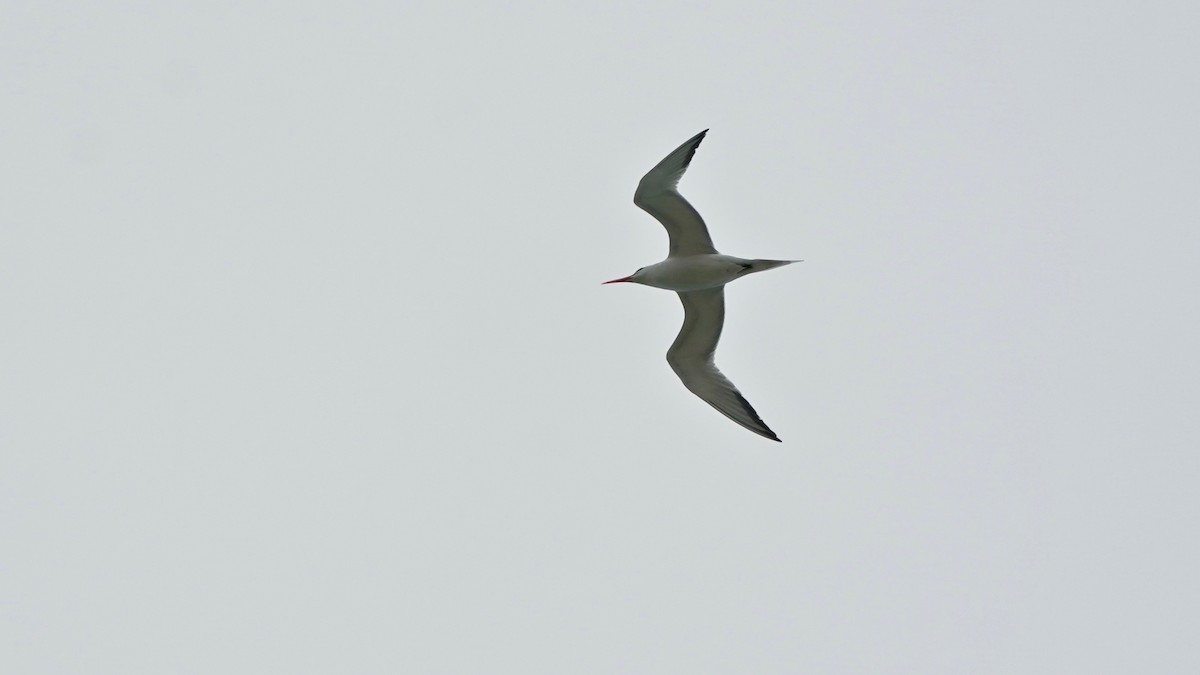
x=305 y=366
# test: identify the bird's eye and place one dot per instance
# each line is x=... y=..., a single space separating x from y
x=639 y=269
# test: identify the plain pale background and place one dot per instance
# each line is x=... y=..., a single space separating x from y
x=306 y=366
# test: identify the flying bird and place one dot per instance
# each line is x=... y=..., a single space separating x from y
x=695 y=271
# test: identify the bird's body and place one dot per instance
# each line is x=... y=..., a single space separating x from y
x=698 y=273
x=705 y=270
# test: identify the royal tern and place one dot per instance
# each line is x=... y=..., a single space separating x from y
x=698 y=273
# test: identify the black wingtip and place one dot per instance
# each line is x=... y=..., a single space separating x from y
x=692 y=150
x=762 y=430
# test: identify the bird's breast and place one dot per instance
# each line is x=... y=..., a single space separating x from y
x=693 y=273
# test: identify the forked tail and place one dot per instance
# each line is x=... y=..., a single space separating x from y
x=764 y=265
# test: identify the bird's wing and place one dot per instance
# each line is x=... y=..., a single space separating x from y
x=657 y=195
x=691 y=357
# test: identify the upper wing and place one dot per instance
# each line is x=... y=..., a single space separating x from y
x=691 y=357
x=657 y=195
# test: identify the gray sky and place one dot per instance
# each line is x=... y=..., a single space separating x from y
x=305 y=366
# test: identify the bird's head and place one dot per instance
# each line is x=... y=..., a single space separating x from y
x=634 y=278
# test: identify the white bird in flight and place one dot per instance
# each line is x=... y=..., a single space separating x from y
x=698 y=273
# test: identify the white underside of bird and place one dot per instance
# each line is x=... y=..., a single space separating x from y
x=698 y=273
